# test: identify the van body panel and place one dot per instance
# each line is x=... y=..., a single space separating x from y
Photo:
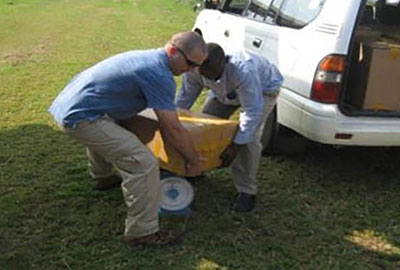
x=218 y=27
x=290 y=104
x=320 y=122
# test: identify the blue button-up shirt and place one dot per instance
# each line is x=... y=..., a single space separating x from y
x=246 y=78
x=120 y=87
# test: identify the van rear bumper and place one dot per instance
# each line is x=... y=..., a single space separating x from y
x=321 y=122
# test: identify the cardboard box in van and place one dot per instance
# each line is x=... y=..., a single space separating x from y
x=377 y=76
x=210 y=135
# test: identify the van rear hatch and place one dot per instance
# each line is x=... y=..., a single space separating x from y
x=372 y=81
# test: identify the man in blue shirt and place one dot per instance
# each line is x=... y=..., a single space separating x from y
x=244 y=80
x=117 y=88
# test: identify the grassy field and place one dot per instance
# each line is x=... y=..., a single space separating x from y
x=326 y=209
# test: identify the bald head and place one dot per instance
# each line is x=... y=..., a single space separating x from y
x=186 y=51
x=189 y=42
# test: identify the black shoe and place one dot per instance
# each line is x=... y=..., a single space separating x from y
x=107 y=182
x=243 y=202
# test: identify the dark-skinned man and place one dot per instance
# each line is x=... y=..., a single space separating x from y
x=239 y=80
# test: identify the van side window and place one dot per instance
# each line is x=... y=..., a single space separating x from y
x=274 y=10
x=299 y=13
x=258 y=10
x=235 y=6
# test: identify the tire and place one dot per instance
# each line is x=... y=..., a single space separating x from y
x=278 y=139
x=269 y=133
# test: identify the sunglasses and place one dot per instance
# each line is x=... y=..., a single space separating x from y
x=188 y=61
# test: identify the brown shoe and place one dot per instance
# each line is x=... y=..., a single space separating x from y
x=158 y=239
x=107 y=182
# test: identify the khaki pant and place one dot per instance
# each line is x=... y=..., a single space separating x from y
x=111 y=146
x=245 y=166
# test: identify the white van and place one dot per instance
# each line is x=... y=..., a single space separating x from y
x=340 y=60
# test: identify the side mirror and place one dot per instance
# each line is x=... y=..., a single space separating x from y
x=197 y=7
x=211 y=4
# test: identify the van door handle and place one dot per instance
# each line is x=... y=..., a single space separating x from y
x=226 y=33
x=257 y=42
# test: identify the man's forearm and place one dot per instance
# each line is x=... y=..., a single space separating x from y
x=179 y=138
x=181 y=141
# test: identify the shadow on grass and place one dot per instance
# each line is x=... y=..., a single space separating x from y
x=341 y=204
x=327 y=209
x=46 y=201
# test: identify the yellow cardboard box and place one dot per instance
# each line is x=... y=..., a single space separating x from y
x=210 y=135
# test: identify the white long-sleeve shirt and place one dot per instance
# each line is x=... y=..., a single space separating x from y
x=246 y=78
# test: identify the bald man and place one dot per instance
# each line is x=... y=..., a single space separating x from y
x=117 y=88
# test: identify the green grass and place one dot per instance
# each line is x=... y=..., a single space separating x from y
x=326 y=209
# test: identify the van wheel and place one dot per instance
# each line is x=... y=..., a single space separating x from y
x=269 y=133
x=278 y=139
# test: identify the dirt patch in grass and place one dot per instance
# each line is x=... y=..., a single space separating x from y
x=20 y=56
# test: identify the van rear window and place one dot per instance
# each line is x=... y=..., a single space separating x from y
x=298 y=13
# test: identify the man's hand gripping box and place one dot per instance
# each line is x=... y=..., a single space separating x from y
x=210 y=135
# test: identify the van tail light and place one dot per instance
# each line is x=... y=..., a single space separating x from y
x=328 y=79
